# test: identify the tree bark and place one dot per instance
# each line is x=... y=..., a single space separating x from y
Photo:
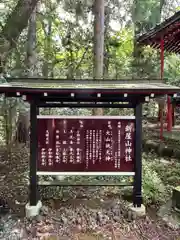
x=47 y=49
x=22 y=132
x=98 y=44
x=31 y=58
x=106 y=41
x=16 y=22
x=136 y=66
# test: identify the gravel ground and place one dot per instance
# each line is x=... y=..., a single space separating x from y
x=76 y=214
x=77 y=220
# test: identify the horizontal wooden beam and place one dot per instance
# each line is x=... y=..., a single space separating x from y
x=58 y=105
x=82 y=183
x=85 y=173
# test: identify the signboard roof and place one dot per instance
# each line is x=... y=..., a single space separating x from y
x=133 y=86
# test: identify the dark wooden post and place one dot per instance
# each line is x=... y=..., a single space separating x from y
x=33 y=190
x=137 y=192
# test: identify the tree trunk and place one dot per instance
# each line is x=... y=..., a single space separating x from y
x=47 y=68
x=9 y=109
x=47 y=49
x=136 y=68
x=31 y=58
x=16 y=22
x=98 y=44
x=70 y=59
x=22 y=132
x=106 y=42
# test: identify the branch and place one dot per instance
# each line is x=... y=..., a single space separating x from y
x=79 y=64
x=16 y=22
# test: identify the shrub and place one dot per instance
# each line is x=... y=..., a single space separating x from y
x=154 y=191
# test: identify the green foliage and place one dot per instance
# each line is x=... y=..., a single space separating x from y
x=65 y=39
x=154 y=190
x=120 y=53
x=150 y=109
x=146 y=14
x=160 y=176
x=172 y=69
x=65 y=111
x=169 y=173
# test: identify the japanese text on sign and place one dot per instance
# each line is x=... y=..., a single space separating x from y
x=85 y=144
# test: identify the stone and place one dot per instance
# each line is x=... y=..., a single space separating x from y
x=175 y=199
x=129 y=216
x=149 y=145
x=56 y=219
x=164 y=161
x=64 y=220
x=4 y=208
x=78 y=220
x=99 y=217
x=167 y=151
x=161 y=148
x=1 y=227
x=55 y=237
x=44 y=210
x=171 y=223
x=60 y=177
x=116 y=218
x=165 y=209
x=39 y=218
x=177 y=154
x=133 y=216
x=139 y=211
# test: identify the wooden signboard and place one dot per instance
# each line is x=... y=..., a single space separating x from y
x=86 y=144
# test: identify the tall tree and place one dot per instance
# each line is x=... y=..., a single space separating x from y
x=47 y=47
x=98 y=44
x=106 y=42
x=16 y=22
x=144 y=21
x=31 y=58
x=145 y=16
x=22 y=133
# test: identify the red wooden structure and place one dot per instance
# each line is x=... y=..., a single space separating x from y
x=166 y=37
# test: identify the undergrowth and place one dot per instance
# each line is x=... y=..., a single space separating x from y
x=159 y=178
x=154 y=190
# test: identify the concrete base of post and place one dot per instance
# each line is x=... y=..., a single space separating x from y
x=32 y=211
x=139 y=211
